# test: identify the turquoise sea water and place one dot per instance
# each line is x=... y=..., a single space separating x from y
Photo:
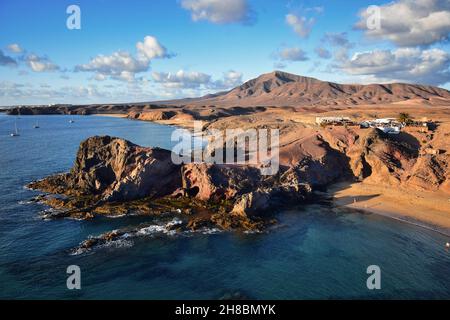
x=315 y=252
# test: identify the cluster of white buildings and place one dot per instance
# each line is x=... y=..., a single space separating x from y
x=333 y=120
x=387 y=125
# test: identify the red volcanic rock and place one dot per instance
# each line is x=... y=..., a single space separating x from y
x=114 y=169
x=430 y=173
x=216 y=182
x=152 y=115
x=251 y=203
x=383 y=159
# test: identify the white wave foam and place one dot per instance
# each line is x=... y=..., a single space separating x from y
x=252 y=231
x=24 y=202
x=119 y=243
x=124 y=240
x=160 y=228
x=78 y=251
x=210 y=231
x=116 y=216
x=174 y=222
x=205 y=230
x=151 y=230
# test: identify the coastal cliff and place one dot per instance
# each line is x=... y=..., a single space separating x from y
x=112 y=176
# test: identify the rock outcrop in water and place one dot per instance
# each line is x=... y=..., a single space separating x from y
x=115 y=176
x=112 y=170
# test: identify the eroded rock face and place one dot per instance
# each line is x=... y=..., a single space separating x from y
x=387 y=160
x=152 y=115
x=431 y=173
x=114 y=169
x=215 y=182
x=250 y=192
x=384 y=160
x=259 y=201
x=252 y=202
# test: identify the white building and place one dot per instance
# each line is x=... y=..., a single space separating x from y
x=387 y=125
x=322 y=120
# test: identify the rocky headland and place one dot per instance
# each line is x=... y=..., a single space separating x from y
x=112 y=176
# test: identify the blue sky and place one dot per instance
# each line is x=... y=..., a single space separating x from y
x=129 y=51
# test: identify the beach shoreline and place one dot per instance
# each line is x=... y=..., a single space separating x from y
x=421 y=208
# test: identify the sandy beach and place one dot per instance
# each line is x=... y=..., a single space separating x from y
x=427 y=209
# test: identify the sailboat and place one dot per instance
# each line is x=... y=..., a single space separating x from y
x=36 y=126
x=16 y=131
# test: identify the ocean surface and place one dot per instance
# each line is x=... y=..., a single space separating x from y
x=315 y=252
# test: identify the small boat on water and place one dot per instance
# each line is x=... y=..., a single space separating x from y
x=71 y=121
x=36 y=126
x=16 y=131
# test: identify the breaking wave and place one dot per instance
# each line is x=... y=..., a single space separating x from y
x=124 y=237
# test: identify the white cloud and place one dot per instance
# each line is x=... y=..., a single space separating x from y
x=7 y=60
x=406 y=64
x=292 y=54
x=197 y=80
x=35 y=62
x=150 y=49
x=11 y=89
x=340 y=43
x=122 y=65
x=114 y=64
x=301 y=25
x=100 y=77
x=411 y=22
x=219 y=11
x=230 y=80
x=337 y=39
x=40 y=64
x=14 y=48
x=317 y=9
x=182 y=79
x=11 y=92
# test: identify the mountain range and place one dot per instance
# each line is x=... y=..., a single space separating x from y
x=274 y=89
x=285 y=89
